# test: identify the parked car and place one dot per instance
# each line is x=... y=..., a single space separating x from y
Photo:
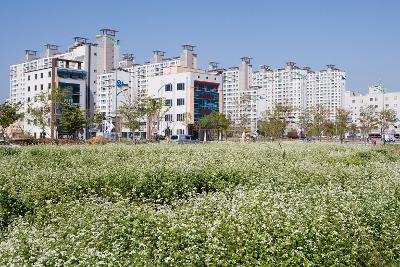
x=4 y=143
x=388 y=137
x=183 y=139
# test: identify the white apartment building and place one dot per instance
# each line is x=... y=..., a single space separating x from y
x=189 y=94
x=76 y=69
x=286 y=86
x=240 y=96
x=113 y=89
x=141 y=73
x=299 y=88
x=377 y=97
x=330 y=90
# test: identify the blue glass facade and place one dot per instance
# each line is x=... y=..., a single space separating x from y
x=206 y=98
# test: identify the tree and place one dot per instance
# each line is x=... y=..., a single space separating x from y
x=275 y=121
x=40 y=113
x=386 y=118
x=353 y=129
x=342 y=122
x=320 y=119
x=72 y=120
x=8 y=115
x=152 y=108
x=215 y=121
x=131 y=115
x=305 y=121
x=368 y=120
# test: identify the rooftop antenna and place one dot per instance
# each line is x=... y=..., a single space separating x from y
x=109 y=32
x=188 y=47
x=80 y=40
x=246 y=59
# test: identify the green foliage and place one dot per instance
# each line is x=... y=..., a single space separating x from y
x=40 y=112
x=215 y=121
x=8 y=115
x=342 y=122
x=368 y=119
x=131 y=115
x=72 y=119
x=275 y=121
x=152 y=109
x=213 y=205
x=386 y=118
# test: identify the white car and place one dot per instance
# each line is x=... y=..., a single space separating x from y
x=183 y=139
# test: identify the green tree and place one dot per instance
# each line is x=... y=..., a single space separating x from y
x=386 y=118
x=8 y=115
x=320 y=119
x=131 y=115
x=353 y=129
x=40 y=111
x=152 y=108
x=72 y=120
x=342 y=122
x=368 y=120
x=305 y=121
x=275 y=121
x=215 y=121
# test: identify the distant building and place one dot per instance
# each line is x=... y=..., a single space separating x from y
x=189 y=94
x=74 y=69
x=377 y=97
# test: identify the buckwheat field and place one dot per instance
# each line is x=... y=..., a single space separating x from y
x=200 y=205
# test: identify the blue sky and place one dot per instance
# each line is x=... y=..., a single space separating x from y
x=361 y=37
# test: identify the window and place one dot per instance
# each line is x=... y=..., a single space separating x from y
x=49 y=86
x=29 y=88
x=180 y=102
x=29 y=99
x=353 y=101
x=168 y=117
x=29 y=77
x=49 y=74
x=180 y=117
x=180 y=86
x=41 y=75
x=41 y=87
x=35 y=87
x=168 y=87
x=180 y=131
x=371 y=99
x=168 y=102
x=35 y=76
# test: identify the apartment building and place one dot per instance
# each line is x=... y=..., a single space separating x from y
x=189 y=94
x=377 y=96
x=299 y=88
x=74 y=69
x=330 y=89
x=240 y=96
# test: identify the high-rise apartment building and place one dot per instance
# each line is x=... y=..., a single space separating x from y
x=240 y=96
x=74 y=70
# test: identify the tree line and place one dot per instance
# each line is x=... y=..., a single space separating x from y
x=316 y=122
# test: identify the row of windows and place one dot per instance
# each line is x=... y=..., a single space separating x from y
x=179 y=87
x=41 y=87
x=179 y=117
x=179 y=102
x=41 y=75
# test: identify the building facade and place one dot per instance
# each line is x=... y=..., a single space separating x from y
x=189 y=94
x=378 y=97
